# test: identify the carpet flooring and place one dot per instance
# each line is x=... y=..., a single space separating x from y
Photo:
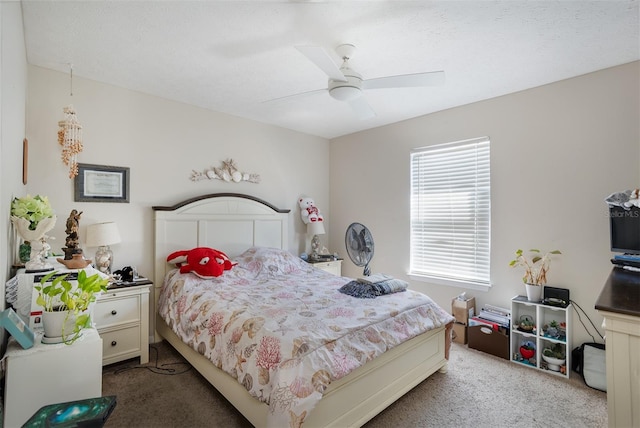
x=479 y=390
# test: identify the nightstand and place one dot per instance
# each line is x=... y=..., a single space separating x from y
x=121 y=316
x=332 y=266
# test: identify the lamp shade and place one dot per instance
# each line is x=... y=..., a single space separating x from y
x=315 y=228
x=102 y=234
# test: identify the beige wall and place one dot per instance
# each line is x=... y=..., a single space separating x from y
x=556 y=152
x=13 y=93
x=162 y=142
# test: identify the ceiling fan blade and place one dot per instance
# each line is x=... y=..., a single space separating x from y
x=361 y=108
x=294 y=96
x=323 y=61
x=431 y=78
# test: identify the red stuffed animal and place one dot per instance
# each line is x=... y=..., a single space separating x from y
x=202 y=261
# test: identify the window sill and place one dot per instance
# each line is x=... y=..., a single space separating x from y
x=471 y=285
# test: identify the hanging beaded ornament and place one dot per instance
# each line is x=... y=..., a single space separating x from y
x=70 y=138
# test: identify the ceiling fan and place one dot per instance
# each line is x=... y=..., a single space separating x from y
x=347 y=85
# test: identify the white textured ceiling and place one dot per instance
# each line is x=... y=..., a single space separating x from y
x=230 y=56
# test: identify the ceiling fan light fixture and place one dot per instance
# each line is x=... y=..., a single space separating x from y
x=345 y=93
x=349 y=90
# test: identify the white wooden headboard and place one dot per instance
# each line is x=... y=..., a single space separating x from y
x=229 y=222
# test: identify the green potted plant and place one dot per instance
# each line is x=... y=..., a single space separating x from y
x=552 y=329
x=66 y=306
x=554 y=356
x=526 y=324
x=536 y=266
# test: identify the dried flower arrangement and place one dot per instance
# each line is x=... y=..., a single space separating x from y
x=536 y=268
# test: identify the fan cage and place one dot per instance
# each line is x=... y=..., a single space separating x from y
x=360 y=246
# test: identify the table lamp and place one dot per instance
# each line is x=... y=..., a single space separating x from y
x=102 y=235
x=315 y=228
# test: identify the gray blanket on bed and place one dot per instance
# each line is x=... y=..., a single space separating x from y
x=368 y=290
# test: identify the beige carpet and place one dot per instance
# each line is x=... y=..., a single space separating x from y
x=478 y=391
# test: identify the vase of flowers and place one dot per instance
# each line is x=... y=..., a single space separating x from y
x=33 y=217
x=535 y=267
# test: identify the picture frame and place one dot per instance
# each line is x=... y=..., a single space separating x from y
x=25 y=160
x=101 y=183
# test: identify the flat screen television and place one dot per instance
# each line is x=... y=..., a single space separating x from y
x=625 y=230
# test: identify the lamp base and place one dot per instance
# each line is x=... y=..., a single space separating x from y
x=104 y=259
x=315 y=245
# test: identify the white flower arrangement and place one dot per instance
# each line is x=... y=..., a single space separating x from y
x=34 y=209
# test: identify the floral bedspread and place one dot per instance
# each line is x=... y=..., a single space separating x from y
x=282 y=329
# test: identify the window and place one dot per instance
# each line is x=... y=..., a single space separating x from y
x=451 y=213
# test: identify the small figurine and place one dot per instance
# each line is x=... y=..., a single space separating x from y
x=72 y=241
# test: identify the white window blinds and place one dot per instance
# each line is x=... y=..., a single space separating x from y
x=451 y=211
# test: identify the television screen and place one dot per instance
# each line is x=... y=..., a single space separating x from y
x=625 y=230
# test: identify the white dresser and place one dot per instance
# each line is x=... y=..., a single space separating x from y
x=121 y=316
x=618 y=305
x=50 y=374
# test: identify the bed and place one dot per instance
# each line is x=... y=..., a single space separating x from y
x=293 y=388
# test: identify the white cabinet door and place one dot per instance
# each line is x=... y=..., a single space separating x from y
x=50 y=374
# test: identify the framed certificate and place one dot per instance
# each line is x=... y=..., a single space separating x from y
x=101 y=183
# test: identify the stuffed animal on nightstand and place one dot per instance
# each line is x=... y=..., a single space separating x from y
x=308 y=211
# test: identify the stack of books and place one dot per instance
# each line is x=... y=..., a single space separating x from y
x=497 y=318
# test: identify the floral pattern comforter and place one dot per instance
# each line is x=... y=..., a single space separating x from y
x=282 y=329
